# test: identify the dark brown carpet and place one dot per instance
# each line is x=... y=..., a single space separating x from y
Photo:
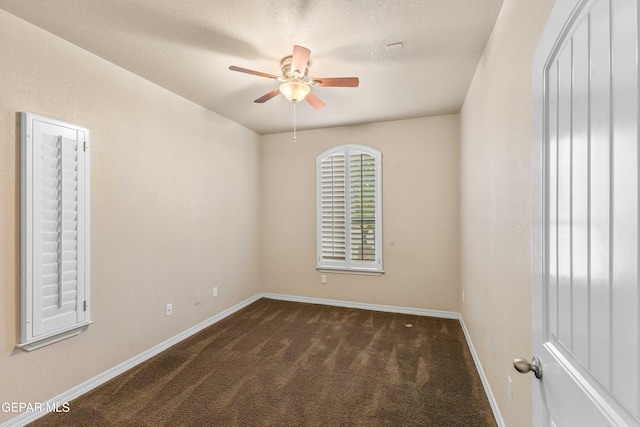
x=279 y=363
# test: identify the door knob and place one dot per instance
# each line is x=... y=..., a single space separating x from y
x=523 y=366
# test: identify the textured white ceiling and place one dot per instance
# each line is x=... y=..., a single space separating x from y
x=187 y=46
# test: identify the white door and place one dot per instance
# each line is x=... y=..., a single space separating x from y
x=586 y=216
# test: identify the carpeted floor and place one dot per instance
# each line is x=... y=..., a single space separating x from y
x=279 y=363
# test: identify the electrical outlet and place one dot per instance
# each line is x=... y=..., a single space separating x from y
x=169 y=309
x=196 y=299
x=215 y=291
x=323 y=278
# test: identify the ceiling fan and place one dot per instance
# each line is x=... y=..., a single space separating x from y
x=296 y=84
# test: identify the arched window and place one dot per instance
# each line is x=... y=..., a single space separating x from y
x=349 y=209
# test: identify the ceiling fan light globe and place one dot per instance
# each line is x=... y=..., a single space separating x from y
x=294 y=91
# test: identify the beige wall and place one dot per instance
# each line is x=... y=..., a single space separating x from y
x=420 y=214
x=496 y=204
x=174 y=209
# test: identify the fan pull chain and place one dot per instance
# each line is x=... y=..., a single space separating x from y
x=294 y=124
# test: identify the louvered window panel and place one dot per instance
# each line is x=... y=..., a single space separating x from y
x=362 y=169
x=55 y=230
x=349 y=215
x=333 y=207
x=59 y=232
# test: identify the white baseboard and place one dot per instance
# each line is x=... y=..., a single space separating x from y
x=487 y=388
x=364 y=306
x=100 y=379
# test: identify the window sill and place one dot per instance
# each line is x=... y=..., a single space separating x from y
x=41 y=342
x=346 y=271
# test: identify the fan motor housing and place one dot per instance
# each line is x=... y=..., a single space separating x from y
x=287 y=72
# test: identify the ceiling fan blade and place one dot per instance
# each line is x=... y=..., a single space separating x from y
x=314 y=101
x=335 y=81
x=268 y=96
x=255 y=73
x=300 y=59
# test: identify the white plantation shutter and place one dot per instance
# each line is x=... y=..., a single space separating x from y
x=349 y=209
x=332 y=205
x=55 y=201
x=363 y=207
